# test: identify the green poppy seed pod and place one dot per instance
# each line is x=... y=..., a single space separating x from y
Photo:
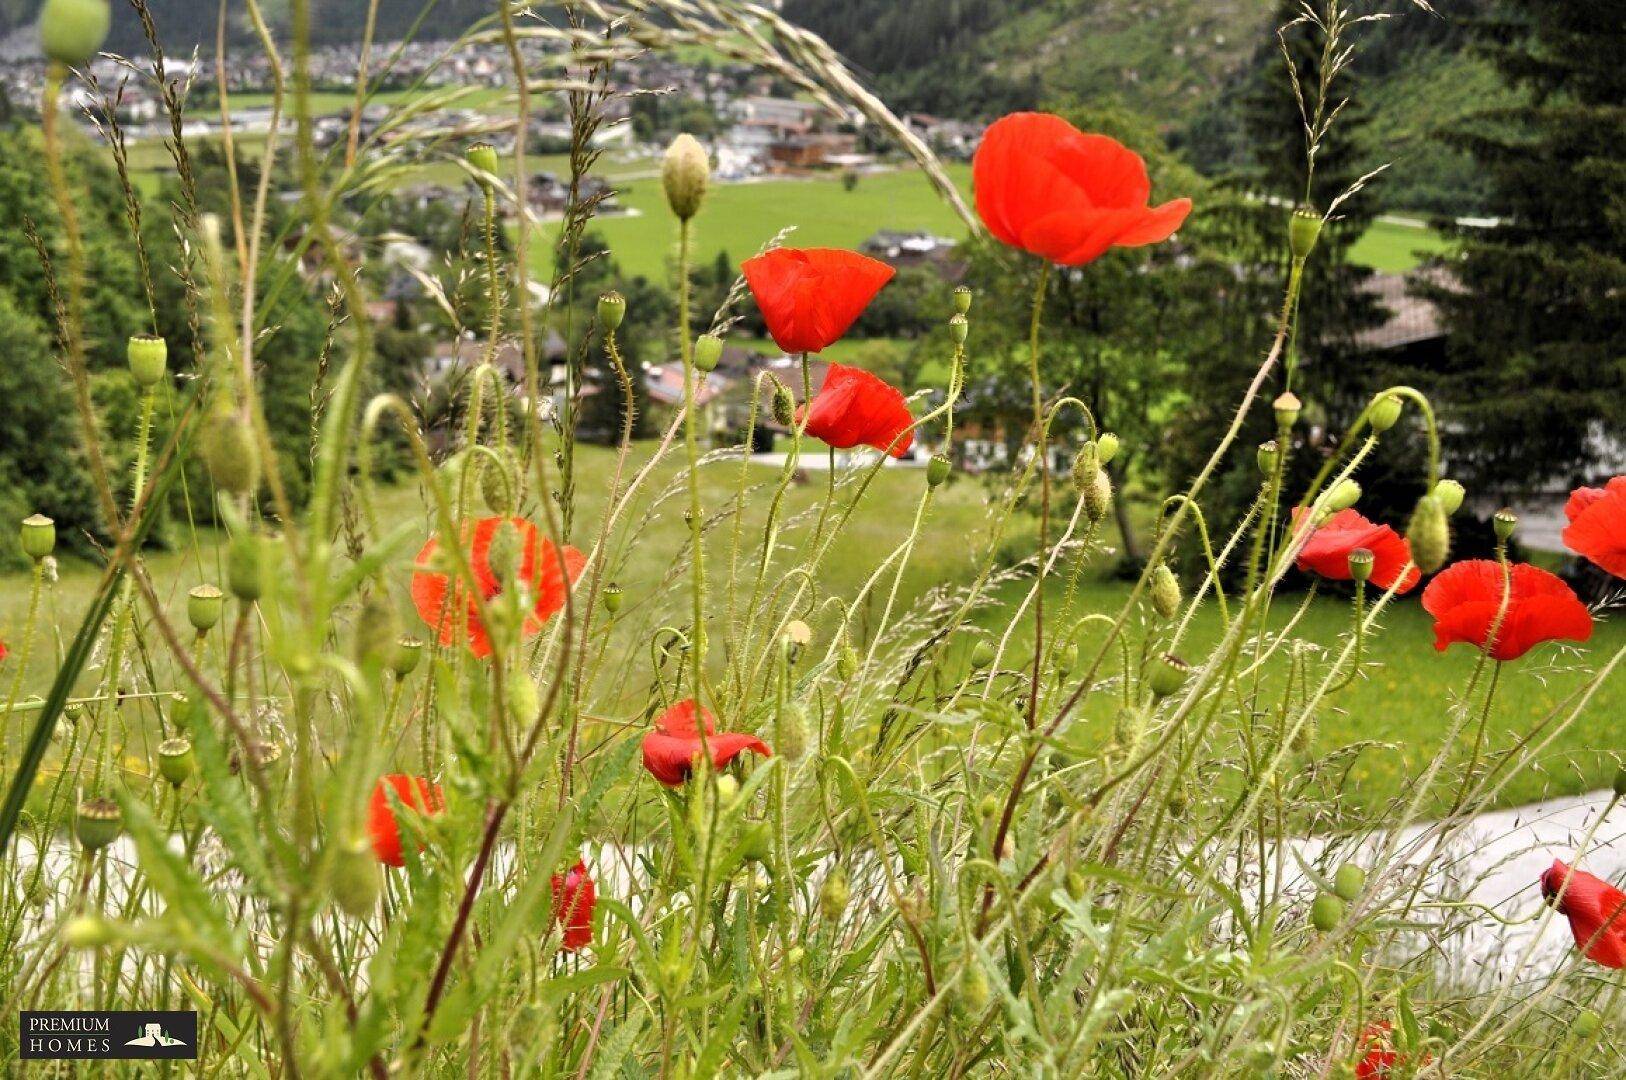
x=1303 y=230
x=1503 y=523
x=524 y=700
x=937 y=470
x=1106 y=447
x=203 y=607
x=357 y=878
x=377 y=630
x=708 y=350
x=1267 y=455
x=1326 y=912
x=1449 y=494
x=1587 y=1022
x=497 y=485
x=1429 y=535
x=612 y=308
x=1360 y=564
x=834 y=894
x=404 y=660
x=1098 y=496
x=684 y=174
x=175 y=760
x=148 y=357
x=972 y=992
x=612 y=598
x=962 y=299
x=504 y=555
x=1287 y=408
x=246 y=559
x=1167 y=674
x=98 y=823
x=1385 y=413
x=784 y=407
x=1164 y=589
x=37 y=536
x=229 y=452
x=72 y=30
x=483 y=156
x=86 y=932
x=791 y=733
x=74 y=711
x=959 y=328
x=1345 y=494
x=982 y=654
x=1348 y=881
x=846 y=661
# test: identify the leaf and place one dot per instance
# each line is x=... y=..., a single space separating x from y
x=171 y=878
x=613 y=1051
x=710 y=1061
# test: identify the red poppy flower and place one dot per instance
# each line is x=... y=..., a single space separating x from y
x=855 y=408
x=671 y=749
x=416 y=794
x=1328 y=549
x=1050 y=189
x=809 y=297
x=573 y=898
x=1597 y=528
x=4 y=652
x=1465 y=597
x=1596 y=911
x=539 y=568
x=1377 y=1050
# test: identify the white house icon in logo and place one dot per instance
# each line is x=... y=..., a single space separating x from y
x=153 y=1035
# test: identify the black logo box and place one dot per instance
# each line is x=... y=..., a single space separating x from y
x=107 y=1036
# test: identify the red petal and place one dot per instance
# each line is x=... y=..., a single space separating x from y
x=809 y=297
x=1156 y=224
x=1596 y=911
x=416 y=794
x=574 y=896
x=680 y=719
x=670 y=758
x=1465 y=598
x=855 y=408
x=1598 y=530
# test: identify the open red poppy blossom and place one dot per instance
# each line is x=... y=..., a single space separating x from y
x=1596 y=911
x=810 y=296
x=416 y=794
x=671 y=750
x=1327 y=551
x=573 y=898
x=1465 y=597
x=1597 y=528
x=1378 y=1053
x=539 y=568
x=1050 y=189
x=855 y=408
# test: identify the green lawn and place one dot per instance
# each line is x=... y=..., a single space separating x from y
x=1393 y=246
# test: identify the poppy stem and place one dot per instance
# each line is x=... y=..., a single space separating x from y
x=1039 y=428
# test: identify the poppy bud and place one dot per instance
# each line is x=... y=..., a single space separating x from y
x=937 y=470
x=504 y=554
x=1504 y=523
x=846 y=661
x=612 y=598
x=1168 y=673
x=1348 y=881
x=1177 y=804
x=245 y=566
x=962 y=299
x=37 y=536
x=784 y=407
x=175 y=760
x=791 y=733
x=795 y=637
x=377 y=630
x=1106 y=447
x=912 y=906
x=1084 y=467
x=1429 y=535
x=98 y=823
x=728 y=789
x=1620 y=782
x=1098 y=496
x=1449 y=494
x=1266 y=457
x=357 y=878
x=982 y=654
x=612 y=308
x=1587 y=1022
x=203 y=604
x=973 y=989
x=834 y=894
x=147 y=356
x=1385 y=413
x=988 y=808
x=404 y=661
x=1164 y=589
x=684 y=174
x=1287 y=408
x=1303 y=229
x=72 y=30
x=229 y=452
x=1326 y=913
x=1077 y=886
x=1345 y=494
x=482 y=156
x=708 y=349
x=959 y=329
x=86 y=932
x=497 y=485
x=524 y=701
x=1360 y=564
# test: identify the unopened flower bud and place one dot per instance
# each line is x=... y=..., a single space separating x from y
x=71 y=31
x=1085 y=466
x=728 y=789
x=1164 y=589
x=1586 y=1024
x=684 y=174
x=86 y=932
x=1429 y=535
x=497 y=484
x=1177 y=803
x=175 y=760
x=1303 y=229
x=404 y=661
x=1326 y=912
x=98 y=823
x=1503 y=523
x=1106 y=447
x=1360 y=564
x=708 y=350
x=612 y=598
x=357 y=878
x=203 y=606
x=612 y=308
x=959 y=328
x=1620 y=782
x=1287 y=408
x=229 y=452
x=1449 y=494
x=37 y=536
x=483 y=156
x=937 y=470
x=846 y=661
x=791 y=733
x=1385 y=413
x=377 y=630
x=982 y=653
x=972 y=993
x=1268 y=454
x=1348 y=881
x=1345 y=494
x=1167 y=674
x=784 y=406
x=147 y=356
x=504 y=554
x=1098 y=496
x=962 y=299
x=246 y=559
x=524 y=700
x=834 y=894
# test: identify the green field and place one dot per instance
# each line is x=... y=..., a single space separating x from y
x=1393 y=246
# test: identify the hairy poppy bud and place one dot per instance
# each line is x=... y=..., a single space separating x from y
x=497 y=485
x=404 y=660
x=37 y=536
x=962 y=299
x=1098 y=496
x=1361 y=561
x=1267 y=456
x=147 y=356
x=1168 y=673
x=482 y=156
x=1164 y=589
x=229 y=452
x=612 y=598
x=72 y=30
x=1587 y=1022
x=1326 y=912
x=973 y=989
x=784 y=407
x=504 y=554
x=1348 y=881
x=377 y=630
x=524 y=700
x=684 y=174
x=1449 y=494
x=708 y=350
x=1077 y=886
x=357 y=878
x=959 y=328
x=1303 y=230
x=982 y=653
x=791 y=733
x=1345 y=494
x=245 y=565
x=175 y=760
x=612 y=308
x=1287 y=408
x=1504 y=523
x=847 y=661
x=937 y=470
x=1177 y=804
x=1106 y=447
x=1085 y=466
x=203 y=606
x=98 y=823
x=1429 y=535
x=1385 y=413
x=988 y=808
x=834 y=894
